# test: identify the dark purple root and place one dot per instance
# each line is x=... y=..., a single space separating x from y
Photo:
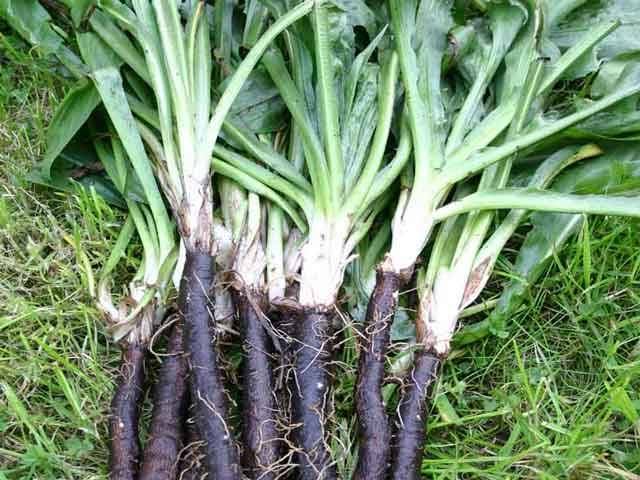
x=285 y=384
x=125 y=410
x=260 y=436
x=409 y=445
x=166 y=432
x=287 y=320
x=375 y=432
x=206 y=385
x=310 y=406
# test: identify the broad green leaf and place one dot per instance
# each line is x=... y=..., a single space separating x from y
x=32 y=22
x=433 y=22
x=505 y=22
x=355 y=72
x=334 y=51
x=106 y=75
x=241 y=74
x=526 y=49
x=594 y=13
x=77 y=165
x=259 y=107
x=359 y=125
x=403 y=327
x=611 y=125
x=462 y=169
x=617 y=171
x=70 y=116
x=120 y=43
x=421 y=40
x=80 y=10
x=223 y=41
x=256 y=17
x=612 y=73
x=358 y=13
x=557 y=10
x=302 y=118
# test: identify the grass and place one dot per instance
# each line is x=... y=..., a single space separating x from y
x=56 y=363
x=557 y=399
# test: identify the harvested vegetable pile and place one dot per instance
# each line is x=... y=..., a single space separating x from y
x=290 y=167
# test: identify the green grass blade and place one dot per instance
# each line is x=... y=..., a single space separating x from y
x=32 y=22
x=119 y=249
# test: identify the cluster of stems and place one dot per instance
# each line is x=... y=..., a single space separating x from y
x=403 y=144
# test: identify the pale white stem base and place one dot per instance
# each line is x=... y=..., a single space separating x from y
x=411 y=228
x=325 y=256
x=441 y=304
x=250 y=260
x=196 y=214
x=118 y=317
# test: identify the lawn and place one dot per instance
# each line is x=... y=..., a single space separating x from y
x=557 y=398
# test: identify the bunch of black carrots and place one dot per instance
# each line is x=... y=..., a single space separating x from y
x=285 y=164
